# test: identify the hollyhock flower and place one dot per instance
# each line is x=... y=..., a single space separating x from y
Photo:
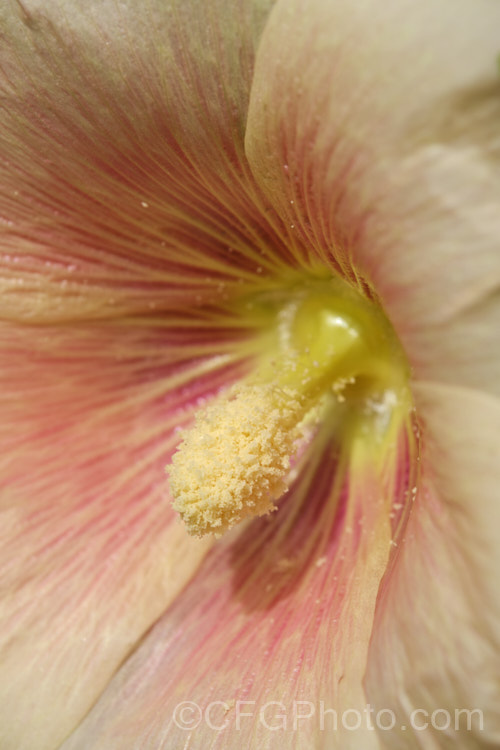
x=276 y=225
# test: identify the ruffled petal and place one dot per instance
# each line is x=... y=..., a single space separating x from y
x=373 y=130
x=123 y=182
x=436 y=641
x=275 y=625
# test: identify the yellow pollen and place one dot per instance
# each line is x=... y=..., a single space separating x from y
x=233 y=462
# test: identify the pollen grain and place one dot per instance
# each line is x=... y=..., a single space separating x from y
x=233 y=462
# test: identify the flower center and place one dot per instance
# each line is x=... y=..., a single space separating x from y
x=329 y=357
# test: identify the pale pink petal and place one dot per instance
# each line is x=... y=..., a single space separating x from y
x=90 y=551
x=123 y=136
x=373 y=129
x=281 y=611
x=121 y=167
x=436 y=643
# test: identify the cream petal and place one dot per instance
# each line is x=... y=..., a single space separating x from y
x=373 y=129
x=436 y=641
x=123 y=178
x=464 y=349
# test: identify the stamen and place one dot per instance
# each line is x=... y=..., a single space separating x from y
x=332 y=350
x=232 y=464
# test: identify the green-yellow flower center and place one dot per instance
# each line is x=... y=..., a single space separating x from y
x=329 y=354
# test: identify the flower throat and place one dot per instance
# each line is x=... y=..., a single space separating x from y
x=329 y=357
